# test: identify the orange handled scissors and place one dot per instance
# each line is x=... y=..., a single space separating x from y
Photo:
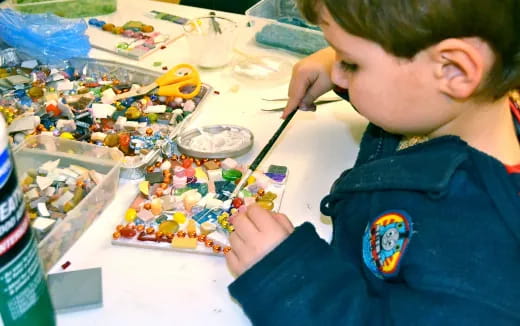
x=171 y=83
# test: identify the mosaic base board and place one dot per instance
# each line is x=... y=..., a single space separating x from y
x=160 y=229
x=107 y=41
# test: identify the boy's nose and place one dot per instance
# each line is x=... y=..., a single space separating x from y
x=338 y=76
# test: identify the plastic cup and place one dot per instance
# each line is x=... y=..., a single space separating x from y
x=211 y=40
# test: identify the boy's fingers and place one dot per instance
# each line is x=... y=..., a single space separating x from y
x=262 y=218
x=238 y=245
x=284 y=221
x=233 y=262
x=244 y=227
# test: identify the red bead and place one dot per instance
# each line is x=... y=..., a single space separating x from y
x=127 y=232
x=237 y=202
x=65 y=265
x=53 y=110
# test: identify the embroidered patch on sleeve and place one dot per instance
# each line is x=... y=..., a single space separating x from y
x=385 y=241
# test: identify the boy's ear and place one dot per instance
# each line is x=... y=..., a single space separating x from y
x=459 y=67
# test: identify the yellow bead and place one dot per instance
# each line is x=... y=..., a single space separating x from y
x=179 y=217
x=251 y=180
x=67 y=135
x=267 y=204
x=130 y=215
x=168 y=227
x=68 y=206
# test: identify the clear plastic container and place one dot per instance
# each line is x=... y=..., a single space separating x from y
x=282 y=11
x=66 y=8
x=280 y=25
x=35 y=151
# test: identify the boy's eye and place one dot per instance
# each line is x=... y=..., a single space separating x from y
x=349 y=67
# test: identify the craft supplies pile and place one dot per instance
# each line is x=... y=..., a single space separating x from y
x=186 y=204
x=188 y=194
x=68 y=102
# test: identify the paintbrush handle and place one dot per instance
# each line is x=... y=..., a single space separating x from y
x=262 y=154
x=271 y=142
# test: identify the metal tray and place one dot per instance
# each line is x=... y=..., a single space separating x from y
x=136 y=170
x=133 y=168
x=183 y=142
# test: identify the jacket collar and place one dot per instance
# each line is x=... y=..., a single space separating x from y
x=426 y=167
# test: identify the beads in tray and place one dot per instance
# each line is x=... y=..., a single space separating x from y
x=67 y=102
x=184 y=203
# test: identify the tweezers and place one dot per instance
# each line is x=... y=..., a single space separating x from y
x=315 y=103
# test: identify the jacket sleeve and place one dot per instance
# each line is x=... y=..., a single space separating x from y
x=304 y=281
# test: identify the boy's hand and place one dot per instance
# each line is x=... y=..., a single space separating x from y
x=310 y=79
x=257 y=232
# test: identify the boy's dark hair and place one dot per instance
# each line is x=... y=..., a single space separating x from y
x=405 y=27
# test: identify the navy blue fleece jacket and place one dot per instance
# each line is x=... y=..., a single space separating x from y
x=428 y=235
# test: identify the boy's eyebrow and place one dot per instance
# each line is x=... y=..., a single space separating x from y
x=335 y=48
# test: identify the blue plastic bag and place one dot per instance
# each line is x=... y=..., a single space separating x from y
x=45 y=37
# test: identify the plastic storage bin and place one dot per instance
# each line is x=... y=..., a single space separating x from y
x=35 y=151
x=66 y=8
x=285 y=29
x=282 y=11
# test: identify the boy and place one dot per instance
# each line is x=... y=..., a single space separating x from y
x=427 y=222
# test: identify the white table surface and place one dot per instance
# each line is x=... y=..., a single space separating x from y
x=173 y=288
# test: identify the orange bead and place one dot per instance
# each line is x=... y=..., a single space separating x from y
x=198 y=162
x=163 y=186
x=217 y=248
x=116 y=235
x=260 y=192
x=159 y=234
x=159 y=192
x=158 y=164
x=147 y=29
x=150 y=230
x=183 y=157
x=147 y=206
x=209 y=243
x=181 y=234
x=226 y=249
x=140 y=228
x=169 y=236
x=201 y=238
x=186 y=163
x=150 y=169
x=130 y=226
x=192 y=234
x=119 y=227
